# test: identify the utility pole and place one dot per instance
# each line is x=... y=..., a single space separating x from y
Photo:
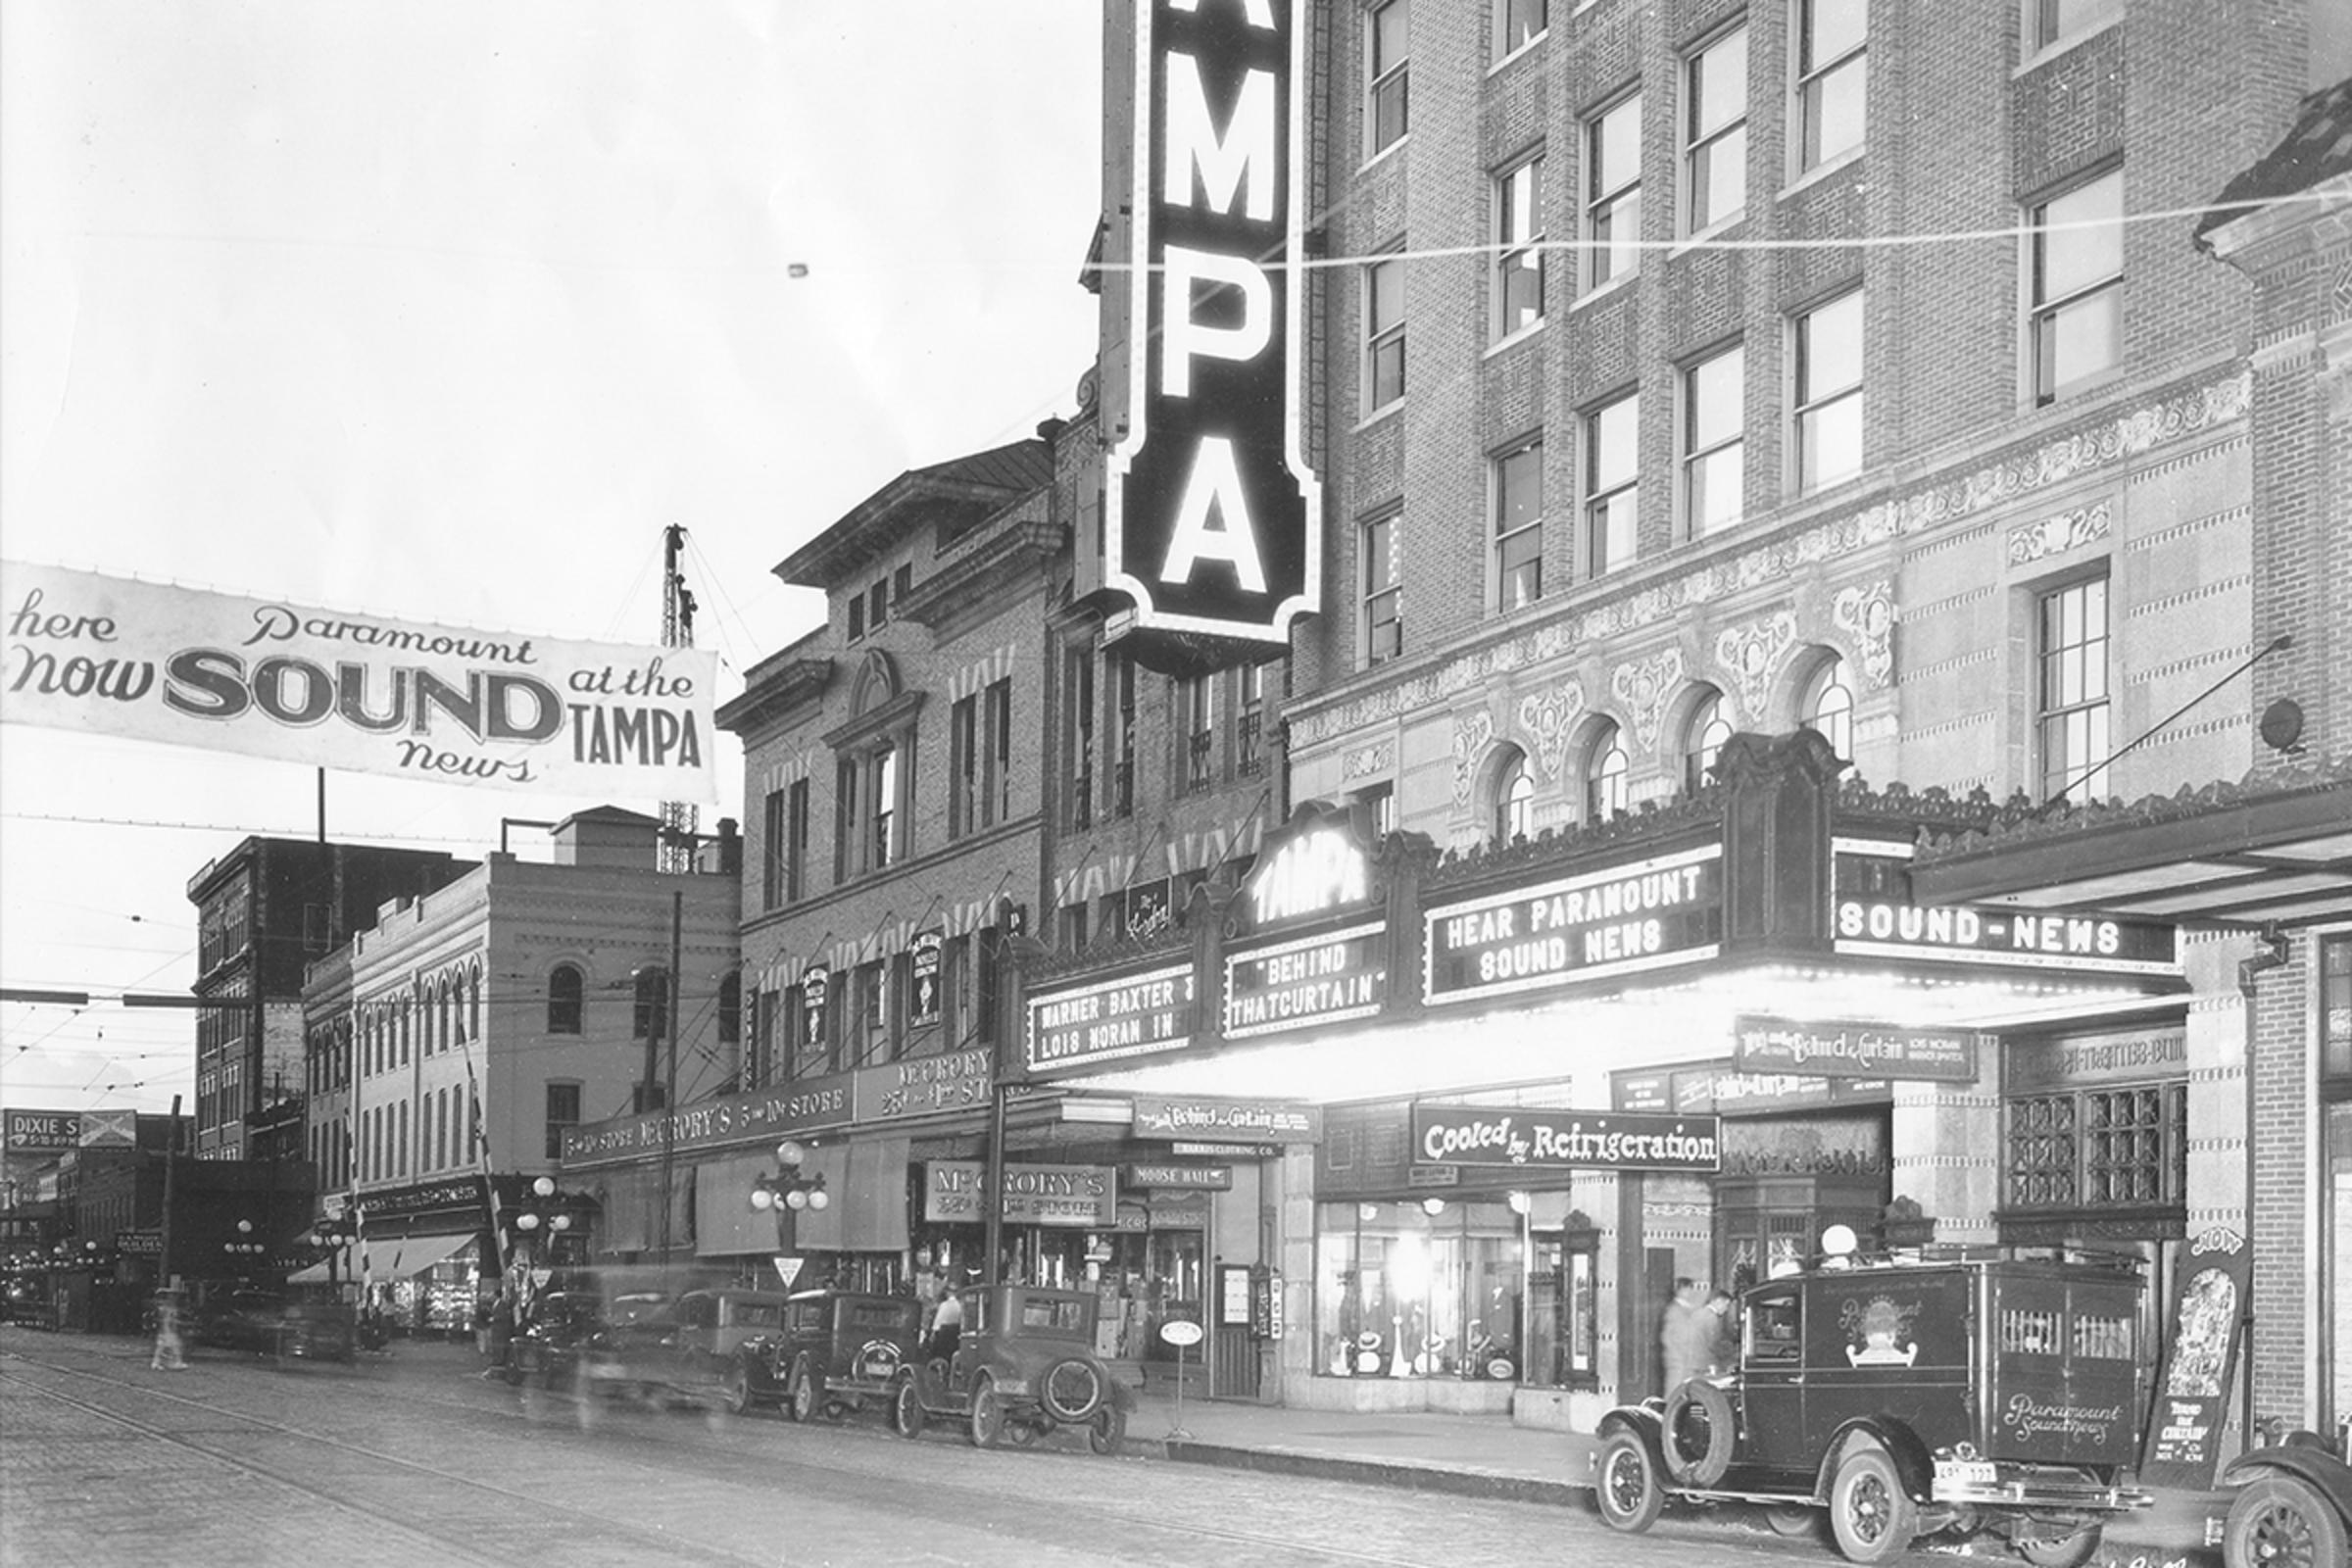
x=170 y=1145
x=678 y=817
x=669 y=1082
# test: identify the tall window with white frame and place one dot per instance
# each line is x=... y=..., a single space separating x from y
x=1828 y=705
x=1383 y=596
x=997 y=723
x=2077 y=280
x=1078 y=703
x=1604 y=774
x=2050 y=21
x=1715 y=132
x=1613 y=192
x=1519 y=526
x=1827 y=389
x=1196 y=733
x=2071 y=695
x=1518 y=280
x=1121 y=711
x=964 y=766
x=1514 y=800
x=1387 y=46
x=1384 y=333
x=1831 y=78
x=1250 y=720
x=1612 y=483
x=1714 y=447
x=1519 y=23
x=1703 y=738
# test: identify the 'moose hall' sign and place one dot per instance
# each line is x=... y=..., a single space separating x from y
x=1212 y=517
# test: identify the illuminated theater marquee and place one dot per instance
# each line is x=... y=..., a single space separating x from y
x=1211 y=518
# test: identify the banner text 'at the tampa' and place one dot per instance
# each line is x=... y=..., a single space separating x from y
x=362 y=693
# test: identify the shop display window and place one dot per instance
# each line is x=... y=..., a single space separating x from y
x=1424 y=1288
x=1563 y=1321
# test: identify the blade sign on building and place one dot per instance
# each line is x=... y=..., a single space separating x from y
x=1212 y=517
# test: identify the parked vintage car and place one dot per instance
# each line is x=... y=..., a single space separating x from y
x=1949 y=1390
x=1023 y=1366
x=240 y=1320
x=705 y=1347
x=2293 y=1508
x=840 y=1348
x=318 y=1330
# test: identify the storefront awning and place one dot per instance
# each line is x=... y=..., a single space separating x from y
x=2273 y=851
x=406 y=1256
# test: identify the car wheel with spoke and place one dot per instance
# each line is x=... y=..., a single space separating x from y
x=988 y=1413
x=802 y=1396
x=737 y=1389
x=1789 y=1519
x=907 y=1413
x=1625 y=1481
x=1871 y=1514
x=1108 y=1430
x=2283 y=1521
x=1070 y=1390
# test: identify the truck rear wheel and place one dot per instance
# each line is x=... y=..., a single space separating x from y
x=1698 y=1433
x=1870 y=1513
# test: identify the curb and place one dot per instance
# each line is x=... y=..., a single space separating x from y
x=1451 y=1479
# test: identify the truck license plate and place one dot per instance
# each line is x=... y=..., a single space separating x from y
x=1965 y=1472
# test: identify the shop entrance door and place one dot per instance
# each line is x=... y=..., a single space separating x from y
x=1233 y=1344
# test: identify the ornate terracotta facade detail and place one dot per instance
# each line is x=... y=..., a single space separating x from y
x=1473 y=733
x=2054 y=536
x=1549 y=717
x=1865 y=612
x=2190 y=412
x=1753 y=654
x=1642 y=688
x=1368 y=761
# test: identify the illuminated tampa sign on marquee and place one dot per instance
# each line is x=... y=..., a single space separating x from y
x=1212 y=517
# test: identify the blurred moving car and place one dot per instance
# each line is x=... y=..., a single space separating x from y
x=241 y=1320
x=1023 y=1366
x=546 y=1350
x=714 y=1345
x=840 y=1348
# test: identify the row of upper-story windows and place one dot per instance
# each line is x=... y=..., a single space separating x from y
x=870 y=609
x=648 y=1004
x=2074 y=337
x=2071 y=739
x=2072 y=258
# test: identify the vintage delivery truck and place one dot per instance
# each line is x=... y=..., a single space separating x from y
x=1961 y=1390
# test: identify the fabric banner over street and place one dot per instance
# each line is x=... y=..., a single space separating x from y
x=365 y=694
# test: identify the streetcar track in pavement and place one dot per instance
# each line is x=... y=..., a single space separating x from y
x=672 y=1449
x=322 y=1492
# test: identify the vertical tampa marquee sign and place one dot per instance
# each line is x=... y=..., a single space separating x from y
x=1212 y=517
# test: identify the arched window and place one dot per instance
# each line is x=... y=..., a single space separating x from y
x=651 y=1016
x=1514 y=800
x=564 y=990
x=1828 y=708
x=1702 y=740
x=1605 y=765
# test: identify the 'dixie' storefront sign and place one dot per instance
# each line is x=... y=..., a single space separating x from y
x=1644 y=916
x=1591 y=1140
x=1212 y=515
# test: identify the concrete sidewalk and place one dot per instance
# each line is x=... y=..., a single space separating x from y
x=1487 y=1457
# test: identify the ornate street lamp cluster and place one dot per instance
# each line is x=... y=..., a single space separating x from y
x=547 y=1211
x=244 y=1246
x=787 y=1187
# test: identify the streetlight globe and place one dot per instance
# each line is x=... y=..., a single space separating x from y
x=561 y=1222
x=818 y=1200
x=790 y=1151
x=762 y=1200
x=796 y=1199
x=244 y=1227
x=526 y=1222
x=545 y=1186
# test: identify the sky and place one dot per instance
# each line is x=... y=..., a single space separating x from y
x=446 y=310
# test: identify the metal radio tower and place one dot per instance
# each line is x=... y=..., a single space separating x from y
x=678 y=817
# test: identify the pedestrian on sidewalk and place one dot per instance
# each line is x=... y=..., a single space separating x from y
x=1687 y=1335
x=1722 y=1355
x=167 y=1355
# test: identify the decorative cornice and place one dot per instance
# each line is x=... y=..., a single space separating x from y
x=1642 y=688
x=2022 y=821
x=1548 y=717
